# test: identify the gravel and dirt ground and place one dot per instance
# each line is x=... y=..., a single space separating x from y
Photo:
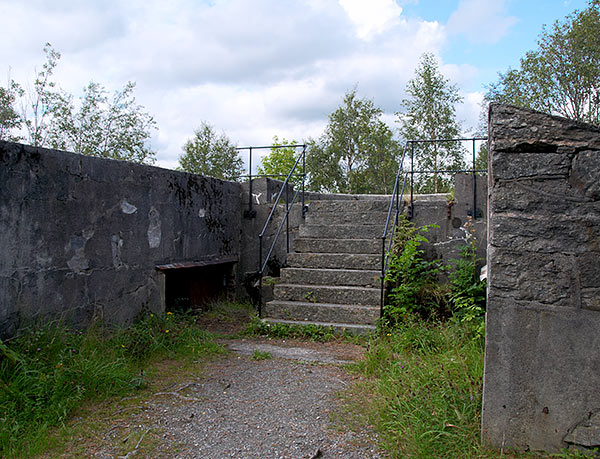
x=263 y=399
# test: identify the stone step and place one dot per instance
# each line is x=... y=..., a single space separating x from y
x=364 y=296
x=345 y=218
x=372 y=246
x=321 y=312
x=350 y=205
x=354 y=329
x=341 y=231
x=315 y=276
x=334 y=261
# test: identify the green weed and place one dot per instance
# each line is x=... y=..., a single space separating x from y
x=467 y=291
x=229 y=312
x=47 y=373
x=261 y=355
x=422 y=392
x=425 y=381
x=309 y=332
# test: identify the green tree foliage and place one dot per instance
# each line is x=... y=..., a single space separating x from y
x=429 y=114
x=210 y=154
x=10 y=120
x=481 y=160
x=324 y=171
x=115 y=127
x=98 y=125
x=562 y=76
x=357 y=152
x=279 y=161
x=40 y=100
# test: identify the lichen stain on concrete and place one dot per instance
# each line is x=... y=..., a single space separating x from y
x=154 y=228
x=116 y=242
x=128 y=208
x=78 y=263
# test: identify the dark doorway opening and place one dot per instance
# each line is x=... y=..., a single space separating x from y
x=196 y=285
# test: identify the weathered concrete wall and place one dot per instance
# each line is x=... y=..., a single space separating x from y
x=80 y=237
x=542 y=358
x=450 y=218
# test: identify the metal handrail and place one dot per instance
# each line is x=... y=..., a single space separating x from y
x=288 y=206
x=396 y=198
x=250 y=213
x=399 y=196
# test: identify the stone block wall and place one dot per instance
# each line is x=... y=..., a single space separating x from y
x=81 y=237
x=542 y=357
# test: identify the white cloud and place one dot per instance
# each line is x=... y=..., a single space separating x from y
x=372 y=17
x=481 y=21
x=469 y=112
x=253 y=69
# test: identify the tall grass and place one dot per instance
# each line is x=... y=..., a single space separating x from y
x=423 y=392
x=47 y=373
x=425 y=384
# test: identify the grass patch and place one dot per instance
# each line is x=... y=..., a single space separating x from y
x=261 y=355
x=428 y=382
x=229 y=312
x=309 y=332
x=47 y=373
x=422 y=391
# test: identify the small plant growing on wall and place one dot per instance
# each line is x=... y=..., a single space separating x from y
x=467 y=290
x=310 y=297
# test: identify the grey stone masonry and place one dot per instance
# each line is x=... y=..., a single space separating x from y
x=333 y=276
x=542 y=354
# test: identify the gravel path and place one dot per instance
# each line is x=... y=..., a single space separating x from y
x=272 y=408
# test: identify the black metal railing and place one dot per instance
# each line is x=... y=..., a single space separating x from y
x=262 y=265
x=250 y=212
x=472 y=170
x=398 y=197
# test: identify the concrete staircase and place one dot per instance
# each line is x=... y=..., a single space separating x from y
x=332 y=277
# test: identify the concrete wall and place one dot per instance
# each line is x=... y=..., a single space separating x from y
x=81 y=237
x=542 y=358
x=450 y=216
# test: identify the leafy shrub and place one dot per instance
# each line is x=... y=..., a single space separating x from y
x=411 y=280
x=467 y=291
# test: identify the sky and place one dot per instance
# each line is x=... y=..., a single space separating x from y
x=254 y=69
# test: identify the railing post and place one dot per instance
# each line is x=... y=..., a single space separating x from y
x=303 y=177
x=287 y=220
x=397 y=197
x=411 y=211
x=474 y=185
x=382 y=276
x=260 y=273
x=249 y=213
x=250 y=184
